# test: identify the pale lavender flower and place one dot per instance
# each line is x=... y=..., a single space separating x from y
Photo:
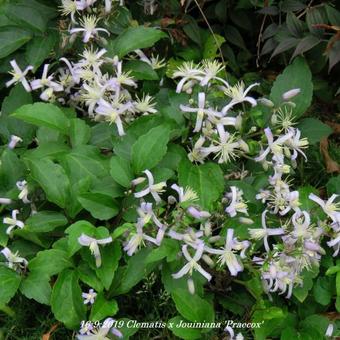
x=192 y=263
x=13 y=222
x=23 y=195
x=152 y=188
x=89 y=297
x=237 y=203
x=14 y=141
x=264 y=232
x=227 y=256
x=199 y=214
x=190 y=74
x=93 y=243
x=89 y=29
x=14 y=261
x=275 y=147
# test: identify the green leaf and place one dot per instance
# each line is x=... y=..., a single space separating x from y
x=9 y=284
x=176 y=326
x=11 y=38
x=101 y=206
x=43 y=114
x=45 y=221
x=136 y=38
x=37 y=287
x=305 y=44
x=141 y=70
x=136 y=270
x=206 y=180
x=74 y=231
x=307 y=275
x=103 y=308
x=169 y=248
x=192 y=307
x=333 y=185
x=80 y=132
x=322 y=291
x=52 y=179
x=88 y=276
x=314 y=130
x=150 y=148
x=50 y=262
x=212 y=45
x=39 y=48
x=111 y=255
x=66 y=301
x=120 y=171
x=296 y=75
x=26 y=16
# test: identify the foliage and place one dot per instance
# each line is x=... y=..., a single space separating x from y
x=148 y=174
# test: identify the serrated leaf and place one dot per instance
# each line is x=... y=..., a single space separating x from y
x=141 y=70
x=52 y=179
x=80 y=132
x=150 y=148
x=120 y=171
x=50 y=262
x=43 y=114
x=103 y=308
x=36 y=286
x=45 y=221
x=101 y=206
x=67 y=290
x=212 y=45
x=193 y=307
x=9 y=284
x=11 y=38
x=314 y=130
x=206 y=180
x=296 y=75
x=305 y=44
x=135 y=38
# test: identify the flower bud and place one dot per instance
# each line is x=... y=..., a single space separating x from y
x=191 y=286
x=245 y=220
x=290 y=94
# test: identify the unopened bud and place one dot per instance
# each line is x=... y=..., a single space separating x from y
x=191 y=286
x=290 y=94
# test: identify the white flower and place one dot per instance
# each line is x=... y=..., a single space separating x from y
x=22 y=186
x=113 y=111
x=46 y=81
x=297 y=144
x=14 y=261
x=227 y=256
x=264 y=232
x=275 y=147
x=200 y=111
x=89 y=29
x=211 y=69
x=89 y=297
x=237 y=204
x=92 y=58
x=19 y=76
x=290 y=94
x=138 y=238
x=190 y=74
x=14 y=141
x=335 y=243
x=227 y=148
x=198 y=152
x=152 y=188
x=93 y=243
x=145 y=105
x=301 y=223
x=91 y=95
x=238 y=95
x=229 y=330
x=192 y=263
x=330 y=208
x=187 y=195
x=13 y=222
